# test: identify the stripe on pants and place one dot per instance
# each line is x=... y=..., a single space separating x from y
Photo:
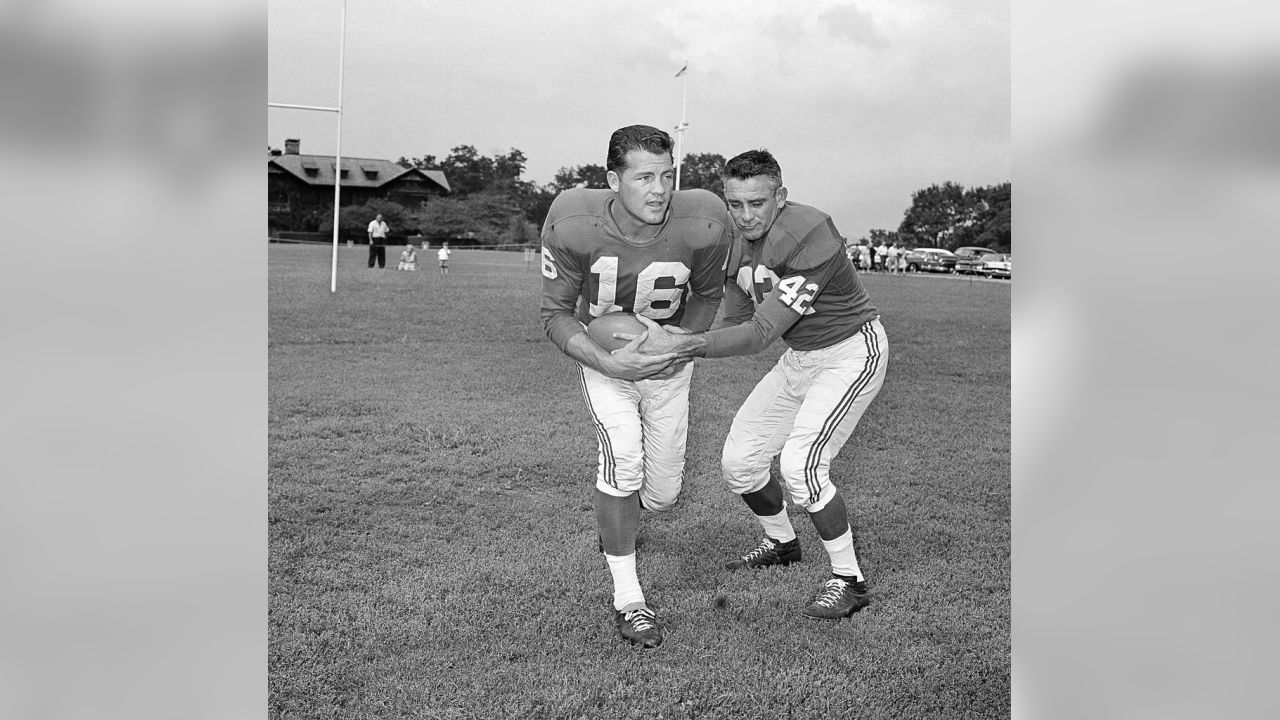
x=837 y=415
x=608 y=466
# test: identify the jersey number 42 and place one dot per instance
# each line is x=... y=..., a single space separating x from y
x=793 y=291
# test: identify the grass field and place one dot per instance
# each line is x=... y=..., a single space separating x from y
x=433 y=555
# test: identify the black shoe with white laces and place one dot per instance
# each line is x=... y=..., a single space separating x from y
x=768 y=552
x=640 y=627
x=838 y=598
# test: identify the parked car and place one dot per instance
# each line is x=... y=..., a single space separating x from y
x=969 y=259
x=931 y=260
x=997 y=265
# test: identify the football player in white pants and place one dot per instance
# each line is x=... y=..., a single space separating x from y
x=789 y=278
x=645 y=249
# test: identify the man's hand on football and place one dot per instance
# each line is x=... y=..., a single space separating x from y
x=631 y=364
x=656 y=339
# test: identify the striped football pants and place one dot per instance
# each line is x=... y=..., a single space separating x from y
x=641 y=427
x=805 y=409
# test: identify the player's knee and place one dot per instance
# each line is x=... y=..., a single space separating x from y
x=660 y=500
x=793 y=462
x=741 y=475
x=801 y=478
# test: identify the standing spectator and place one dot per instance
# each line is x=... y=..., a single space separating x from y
x=443 y=256
x=377 y=241
x=882 y=251
x=902 y=258
x=408 y=259
x=891 y=258
x=865 y=251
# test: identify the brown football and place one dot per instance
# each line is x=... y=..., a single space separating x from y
x=602 y=329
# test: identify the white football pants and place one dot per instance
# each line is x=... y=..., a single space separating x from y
x=641 y=427
x=805 y=408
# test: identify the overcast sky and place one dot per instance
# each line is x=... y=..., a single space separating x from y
x=862 y=102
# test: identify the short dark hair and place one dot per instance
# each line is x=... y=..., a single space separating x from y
x=752 y=163
x=636 y=137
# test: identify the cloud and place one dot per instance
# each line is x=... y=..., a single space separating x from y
x=854 y=24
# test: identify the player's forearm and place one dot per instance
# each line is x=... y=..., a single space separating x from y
x=560 y=326
x=745 y=339
x=582 y=348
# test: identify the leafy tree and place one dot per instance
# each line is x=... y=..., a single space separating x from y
x=934 y=215
x=426 y=162
x=592 y=176
x=522 y=232
x=507 y=169
x=353 y=220
x=702 y=171
x=888 y=237
x=534 y=200
x=950 y=216
x=486 y=217
x=994 y=227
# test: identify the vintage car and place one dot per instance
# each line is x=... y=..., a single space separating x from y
x=969 y=259
x=997 y=265
x=930 y=260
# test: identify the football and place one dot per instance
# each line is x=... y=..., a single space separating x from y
x=602 y=329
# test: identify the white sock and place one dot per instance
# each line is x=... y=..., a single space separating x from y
x=627 y=594
x=844 y=561
x=778 y=526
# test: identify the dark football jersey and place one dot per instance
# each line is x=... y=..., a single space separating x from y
x=590 y=268
x=800 y=263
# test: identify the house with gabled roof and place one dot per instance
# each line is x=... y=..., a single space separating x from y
x=300 y=187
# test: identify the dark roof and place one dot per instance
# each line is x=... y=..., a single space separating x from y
x=358 y=170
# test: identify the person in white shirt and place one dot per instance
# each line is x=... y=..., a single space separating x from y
x=408 y=259
x=377 y=241
x=443 y=255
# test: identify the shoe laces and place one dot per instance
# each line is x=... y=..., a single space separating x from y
x=641 y=619
x=766 y=546
x=830 y=594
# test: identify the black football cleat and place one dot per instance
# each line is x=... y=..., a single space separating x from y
x=768 y=552
x=838 y=598
x=639 y=627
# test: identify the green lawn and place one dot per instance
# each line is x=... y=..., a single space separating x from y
x=433 y=554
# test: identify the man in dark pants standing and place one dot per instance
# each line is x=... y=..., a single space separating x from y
x=377 y=241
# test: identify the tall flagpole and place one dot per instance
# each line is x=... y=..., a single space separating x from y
x=337 y=160
x=684 y=106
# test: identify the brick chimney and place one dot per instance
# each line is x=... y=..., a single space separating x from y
x=292 y=146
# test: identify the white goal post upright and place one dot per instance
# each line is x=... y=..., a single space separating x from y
x=337 y=158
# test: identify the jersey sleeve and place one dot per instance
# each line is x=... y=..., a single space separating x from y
x=562 y=277
x=808 y=269
x=738 y=307
x=816 y=260
x=767 y=323
x=706 y=286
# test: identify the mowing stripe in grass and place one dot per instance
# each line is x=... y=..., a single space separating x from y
x=606 y=447
x=841 y=410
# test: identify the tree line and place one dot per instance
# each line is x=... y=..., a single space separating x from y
x=491 y=203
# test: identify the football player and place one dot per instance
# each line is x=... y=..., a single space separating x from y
x=789 y=278
x=642 y=248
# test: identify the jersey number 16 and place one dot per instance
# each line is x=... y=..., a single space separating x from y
x=659 y=288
